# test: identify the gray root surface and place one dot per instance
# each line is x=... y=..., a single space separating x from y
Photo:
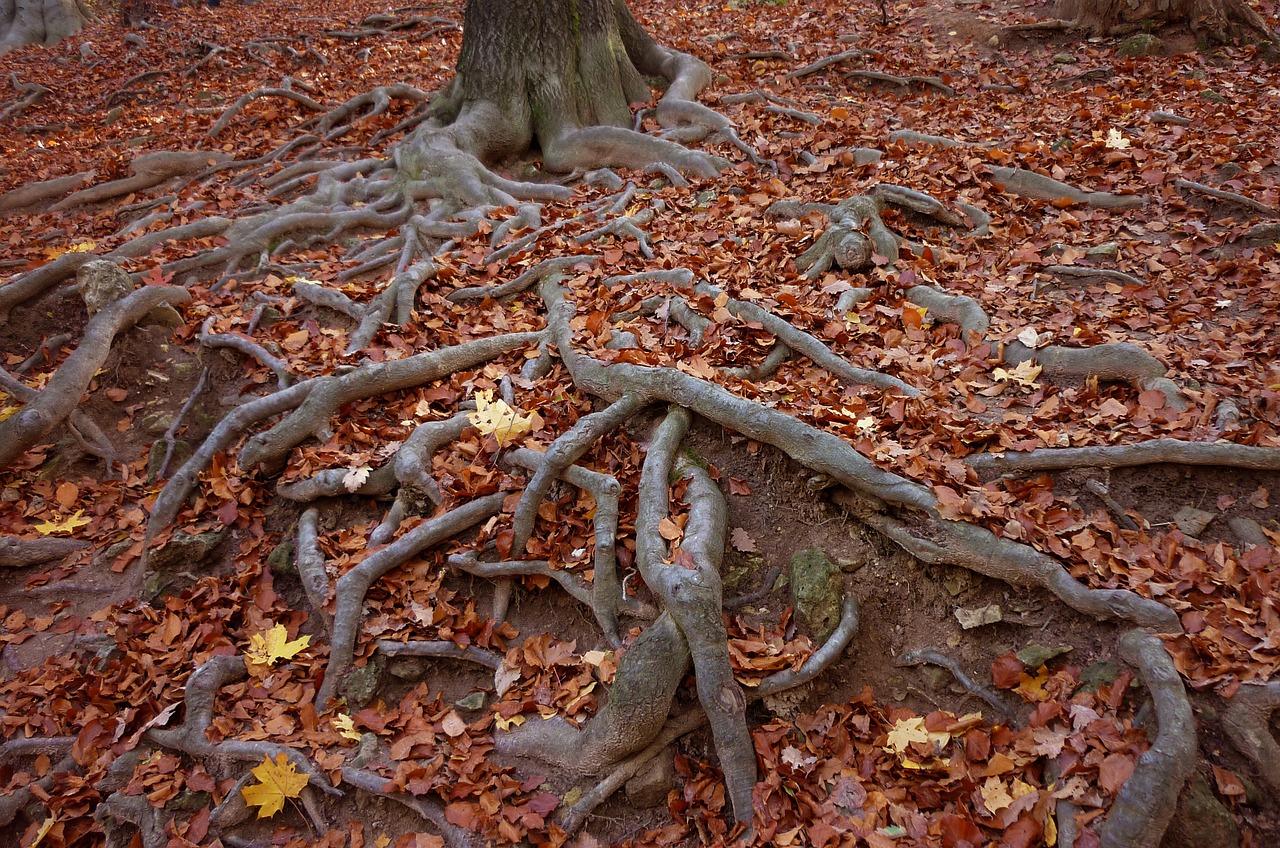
x=64 y=390
x=951 y=542
x=1147 y=801
x=1039 y=187
x=562 y=453
x=574 y=817
x=20 y=553
x=607 y=597
x=1154 y=452
x=352 y=587
x=1247 y=721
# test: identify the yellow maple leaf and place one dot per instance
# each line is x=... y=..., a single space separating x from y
x=506 y=723
x=346 y=727
x=906 y=731
x=994 y=796
x=66 y=525
x=498 y=419
x=78 y=247
x=1032 y=688
x=1025 y=373
x=276 y=781
x=274 y=645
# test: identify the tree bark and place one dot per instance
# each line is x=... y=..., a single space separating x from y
x=1213 y=21
x=561 y=75
x=39 y=21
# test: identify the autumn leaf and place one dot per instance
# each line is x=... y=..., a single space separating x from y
x=67 y=525
x=276 y=781
x=994 y=796
x=1024 y=373
x=355 y=478
x=905 y=731
x=1116 y=140
x=499 y=419
x=43 y=831
x=742 y=541
x=346 y=727
x=272 y=646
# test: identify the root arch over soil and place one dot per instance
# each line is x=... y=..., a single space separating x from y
x=524 y=80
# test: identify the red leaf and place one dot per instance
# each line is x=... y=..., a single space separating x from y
x=1006 y=671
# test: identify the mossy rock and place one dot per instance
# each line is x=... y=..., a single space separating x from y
x=362 y=683
x=815 y=586
x=1201 y=820
x=1141 y=44
x=280 y=560
x=184 y=551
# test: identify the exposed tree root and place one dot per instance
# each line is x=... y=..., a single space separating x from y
x=20 y=553
x=34 y=194
x=1116 y=362
x=199 y=700
x=1039 y=187
x=1228 y=197
x=245 y=99
x=826 y=62
x=957 y=309
x=607 y=597
x=62 y=393
x=1173 y=451
x=1098 y=488
x=442 y=650
x=1247 y=721
x=932 y=657
x=1147 y=801
x=311 y=569
x=574 y=817
x=903 y=82
x=249 y=348
x=562 y=453
x=1086 y=274
x=944 y=541
x=26 y=286
x=522 y=282
x=352 y=586
x=432 y=811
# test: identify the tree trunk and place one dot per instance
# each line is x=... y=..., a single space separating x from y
x=562 y=75
x=39 y=21
x=1213 y=21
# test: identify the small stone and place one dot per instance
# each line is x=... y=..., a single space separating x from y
x=362 y=683
x=185 y=551
x=978 y=616
x=1192 y=521
x=114 y=115
x=407 y=668
x=280 y=560
x=815 y=586
x=188 y=802
x=474 y=701
x=101 y=283
x=1064 y=59
x=1213 y=96
x=1141 y=44
x=1248 y=531
x=1108 y=249
x=649 y=788
x=1033 y=655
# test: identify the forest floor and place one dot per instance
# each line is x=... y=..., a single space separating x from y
x=98 y=646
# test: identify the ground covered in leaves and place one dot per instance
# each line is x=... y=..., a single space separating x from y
x=876 y=752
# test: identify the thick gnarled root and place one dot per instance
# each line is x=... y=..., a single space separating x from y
x=63 y=392
x=1149 y=798
x=1247 y=721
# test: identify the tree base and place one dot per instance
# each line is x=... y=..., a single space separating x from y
x=44 y=22
x=1212 y=21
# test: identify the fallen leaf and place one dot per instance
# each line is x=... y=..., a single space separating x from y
x=742 y=541
x=273 y=645
x=276 y=781
x=67 y=525
x=346 y=727
x=498 y=419
x=355 y=478
x=994 y=795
